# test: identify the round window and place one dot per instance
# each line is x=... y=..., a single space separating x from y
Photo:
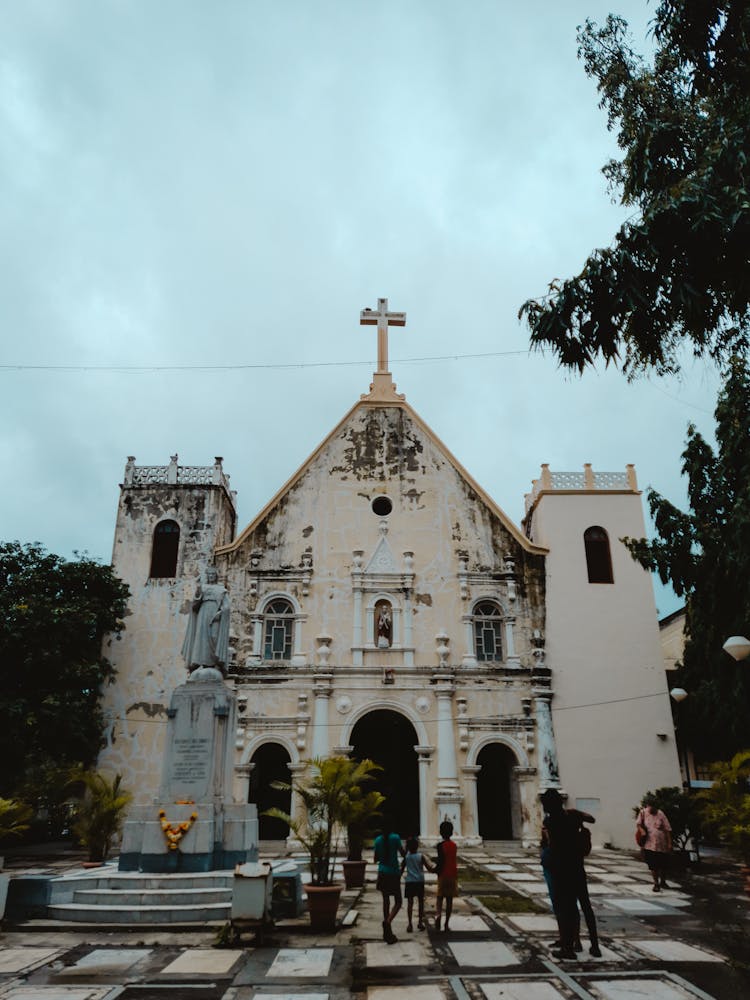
x=382 y=506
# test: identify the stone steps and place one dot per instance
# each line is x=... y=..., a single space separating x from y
x=151 y=897
x=200 y=913
x=112 y=897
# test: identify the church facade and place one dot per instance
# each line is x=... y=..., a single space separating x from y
x=382 y=605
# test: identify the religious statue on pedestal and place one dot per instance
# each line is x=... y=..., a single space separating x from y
x=207 y=638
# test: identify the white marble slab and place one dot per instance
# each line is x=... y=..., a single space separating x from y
x=529 y=989
x=667 y=895
x=607 y=955
x=302 y=962
x=639 y=989
x=610 y=876
x=209 y=961
x=635 y=906
x=501 y=868
x=378 y=954
x=102 y=959
x=519 y=877
x=534 y=924
x=483 y=954
x=599 y=889
x=673 y=951
x=433 y=992
x=289 y=996
x=18 y=959
x=468 y=922
x=538 y=888
x=56 y=992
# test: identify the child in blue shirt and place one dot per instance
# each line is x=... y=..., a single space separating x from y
x=414 y=864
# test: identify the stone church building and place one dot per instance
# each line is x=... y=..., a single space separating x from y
x=382 y=605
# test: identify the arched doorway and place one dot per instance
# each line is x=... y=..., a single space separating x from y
x=495 y=792
x=389 y=739
x=271 y=764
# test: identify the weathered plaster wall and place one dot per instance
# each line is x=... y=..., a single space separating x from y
x=147 y=655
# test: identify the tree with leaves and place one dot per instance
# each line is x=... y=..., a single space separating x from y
x=705 y=555
x=54 y=615
x=677 y=271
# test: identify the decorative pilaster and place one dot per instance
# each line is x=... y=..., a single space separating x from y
x=322 y=690
x=242 y=774
x=357 y=655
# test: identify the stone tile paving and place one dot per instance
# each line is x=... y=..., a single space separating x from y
x=655 y=947
x=203 y=961
x=109 y=960
x=25 y=959
x=301 y=962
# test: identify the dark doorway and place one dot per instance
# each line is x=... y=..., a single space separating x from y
x=389 y=739
x=494 y=792
x=271 y=764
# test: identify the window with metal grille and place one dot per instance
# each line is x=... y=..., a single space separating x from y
x=488 y=627
x=164 y=549
x=278 y=630
x=598 y=557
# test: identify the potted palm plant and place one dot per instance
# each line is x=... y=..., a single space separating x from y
x=363 y=807
x=325 y=791
x=100 y=805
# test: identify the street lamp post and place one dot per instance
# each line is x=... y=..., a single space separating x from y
x=678 y=695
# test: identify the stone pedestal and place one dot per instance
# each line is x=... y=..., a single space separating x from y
x=194 y=825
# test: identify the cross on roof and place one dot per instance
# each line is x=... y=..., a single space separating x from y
x=381 y=318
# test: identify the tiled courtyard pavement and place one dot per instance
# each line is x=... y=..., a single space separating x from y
x=682 y=944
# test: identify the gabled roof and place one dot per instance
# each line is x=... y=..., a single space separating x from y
x=383 y=397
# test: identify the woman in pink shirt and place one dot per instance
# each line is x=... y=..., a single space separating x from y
x=658 y=843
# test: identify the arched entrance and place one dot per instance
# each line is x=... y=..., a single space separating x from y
x=271 y=762
x=389 y=739
x=495 y=792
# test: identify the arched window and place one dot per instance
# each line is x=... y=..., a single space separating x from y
x=164 y=549
x=598 y=557
x=488 y=627
x=383 y=625
x=278 y=629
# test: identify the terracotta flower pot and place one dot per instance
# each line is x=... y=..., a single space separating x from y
x=322 y=904
x=354 y=873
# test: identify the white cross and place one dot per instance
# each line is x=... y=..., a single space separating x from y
x=381 y=318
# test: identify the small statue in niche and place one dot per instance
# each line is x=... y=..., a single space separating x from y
x=207 y=638
x=383 y=625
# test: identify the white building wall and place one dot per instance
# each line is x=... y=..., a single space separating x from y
x=611 y=712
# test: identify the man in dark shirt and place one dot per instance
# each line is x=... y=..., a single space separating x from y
x=568 y=876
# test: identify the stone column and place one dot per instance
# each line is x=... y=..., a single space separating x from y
x=528 y=813
x=549 y=771
x=322 y=689
x=448 y=795
x=470 y=771
x=294 y=770
x=424 y=753
x=242 y=774
x=298 y=657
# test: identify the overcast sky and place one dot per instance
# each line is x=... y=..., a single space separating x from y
x=227 y=184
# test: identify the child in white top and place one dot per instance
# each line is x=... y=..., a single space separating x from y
x=415 y=863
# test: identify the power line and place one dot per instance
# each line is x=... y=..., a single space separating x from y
x=425 y=718
x=203 y=367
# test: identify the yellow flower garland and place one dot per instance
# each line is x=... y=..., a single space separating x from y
x=174 y=832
